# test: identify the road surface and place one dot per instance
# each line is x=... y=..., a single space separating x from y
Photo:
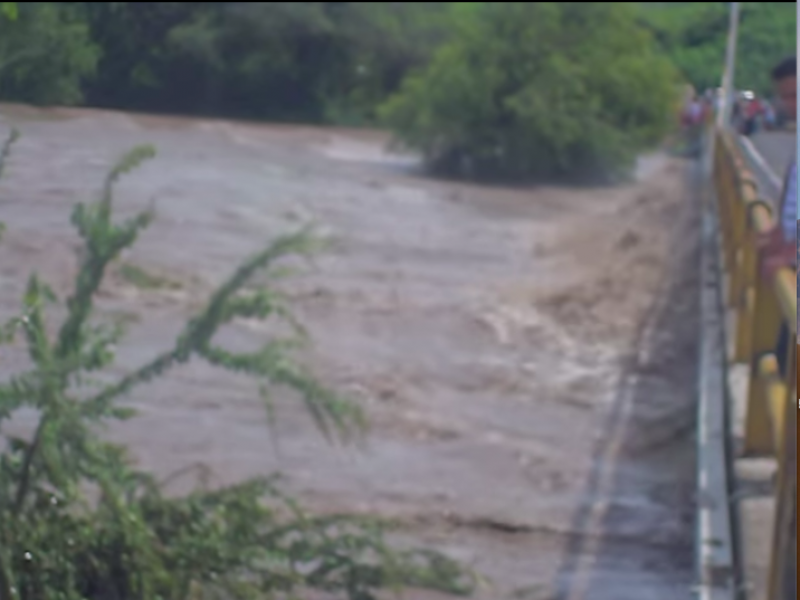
x=775 y=150
x=526 y=356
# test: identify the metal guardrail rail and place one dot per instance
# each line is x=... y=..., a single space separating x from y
x=761 y=309
x=716 y=557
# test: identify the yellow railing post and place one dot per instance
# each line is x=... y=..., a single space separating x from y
x=747 y=194
x=725 y=192
x=766 y=326
x=745 y=313
x=783 y=562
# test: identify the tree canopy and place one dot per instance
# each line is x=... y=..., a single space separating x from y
x=541 y=89
x=694 y=36
x=312 y=61
x=8 y=9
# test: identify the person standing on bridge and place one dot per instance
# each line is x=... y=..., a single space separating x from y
x=779 y=246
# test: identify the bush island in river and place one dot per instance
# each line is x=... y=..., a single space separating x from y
x=79 y=522
x=538 y=90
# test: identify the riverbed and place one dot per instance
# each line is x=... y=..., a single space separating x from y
x=526 y=356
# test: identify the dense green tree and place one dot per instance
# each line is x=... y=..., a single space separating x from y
x=382 y=42
x=256 y=59
x=311 y=61
x=46 y=54
x=133 y=38
x=694 y=36
x=8 y=10
x=540 y=89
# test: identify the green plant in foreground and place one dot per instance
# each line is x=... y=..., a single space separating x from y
x=8 y=10
x=79 y=522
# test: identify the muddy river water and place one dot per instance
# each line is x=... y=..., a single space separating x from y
x=525 y=356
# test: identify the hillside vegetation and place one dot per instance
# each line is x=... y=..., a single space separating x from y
x=510 y=89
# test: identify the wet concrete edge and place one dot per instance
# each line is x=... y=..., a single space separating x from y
x=620 y=424
x=716 y=555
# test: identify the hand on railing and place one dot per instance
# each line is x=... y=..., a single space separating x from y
x=774 y=252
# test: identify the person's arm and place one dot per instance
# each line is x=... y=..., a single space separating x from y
x=776 y=253
x=772 y=241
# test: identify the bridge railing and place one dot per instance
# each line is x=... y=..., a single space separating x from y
x=763 y=310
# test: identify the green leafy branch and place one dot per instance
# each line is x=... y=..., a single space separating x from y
x=9 y=10
x=133 y=541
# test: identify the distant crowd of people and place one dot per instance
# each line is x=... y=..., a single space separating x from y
x=697 y=110
x=750 y=112
x=778 y=247
x=695 y=113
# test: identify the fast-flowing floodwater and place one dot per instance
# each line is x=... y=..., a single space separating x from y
x=526 y=356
